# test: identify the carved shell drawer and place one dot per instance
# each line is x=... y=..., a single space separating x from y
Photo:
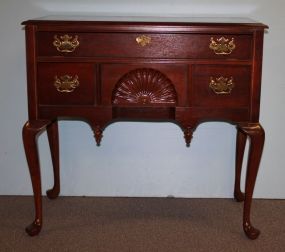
x=161 y=84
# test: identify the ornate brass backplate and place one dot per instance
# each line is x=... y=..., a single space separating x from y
x=222 y=45
x=66 y=43
x=221 y=85
x=66 y=83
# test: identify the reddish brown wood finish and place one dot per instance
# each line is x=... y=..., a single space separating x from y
x=30 y=132
x=206 y=97
x=52 y=131
x=112 y=73
x=240 y=145
x=110 y=77
x=84 y=94
x=256 y=134
x=124 y=45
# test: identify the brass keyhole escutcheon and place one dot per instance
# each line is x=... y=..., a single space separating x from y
x=143 y=40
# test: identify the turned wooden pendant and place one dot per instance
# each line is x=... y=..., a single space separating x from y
x=98 y=134
x=188 y=134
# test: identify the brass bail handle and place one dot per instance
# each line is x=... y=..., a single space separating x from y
x=66 y=83
x=222 y=46
x=66 y=43
x=221 y=85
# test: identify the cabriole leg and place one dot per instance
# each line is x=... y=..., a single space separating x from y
x=257 y=136
x=240 y=146
x=52 y=131
x=30 y=132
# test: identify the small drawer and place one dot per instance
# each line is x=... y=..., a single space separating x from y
x=144 y=45
x=221 y=46
x=221 y=86
x=66 y=83
x=140 y=85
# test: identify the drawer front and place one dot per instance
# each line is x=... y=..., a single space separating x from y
x=129 y=45
x=221 y=86
x=66 y=83
x=145 y=85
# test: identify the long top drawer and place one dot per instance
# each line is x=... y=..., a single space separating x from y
x=145 y=45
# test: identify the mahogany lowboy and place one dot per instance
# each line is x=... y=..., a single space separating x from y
x=183 y=71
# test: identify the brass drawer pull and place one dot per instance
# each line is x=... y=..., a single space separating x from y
x=221 y=85
x=66 y=43
x=143 y=40
x=222 y=45
x=66 y=83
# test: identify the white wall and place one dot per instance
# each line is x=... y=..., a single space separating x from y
x=141 y=159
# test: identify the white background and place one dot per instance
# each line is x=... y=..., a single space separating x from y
x=141 y=159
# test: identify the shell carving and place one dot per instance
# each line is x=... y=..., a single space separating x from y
x=144 y=86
